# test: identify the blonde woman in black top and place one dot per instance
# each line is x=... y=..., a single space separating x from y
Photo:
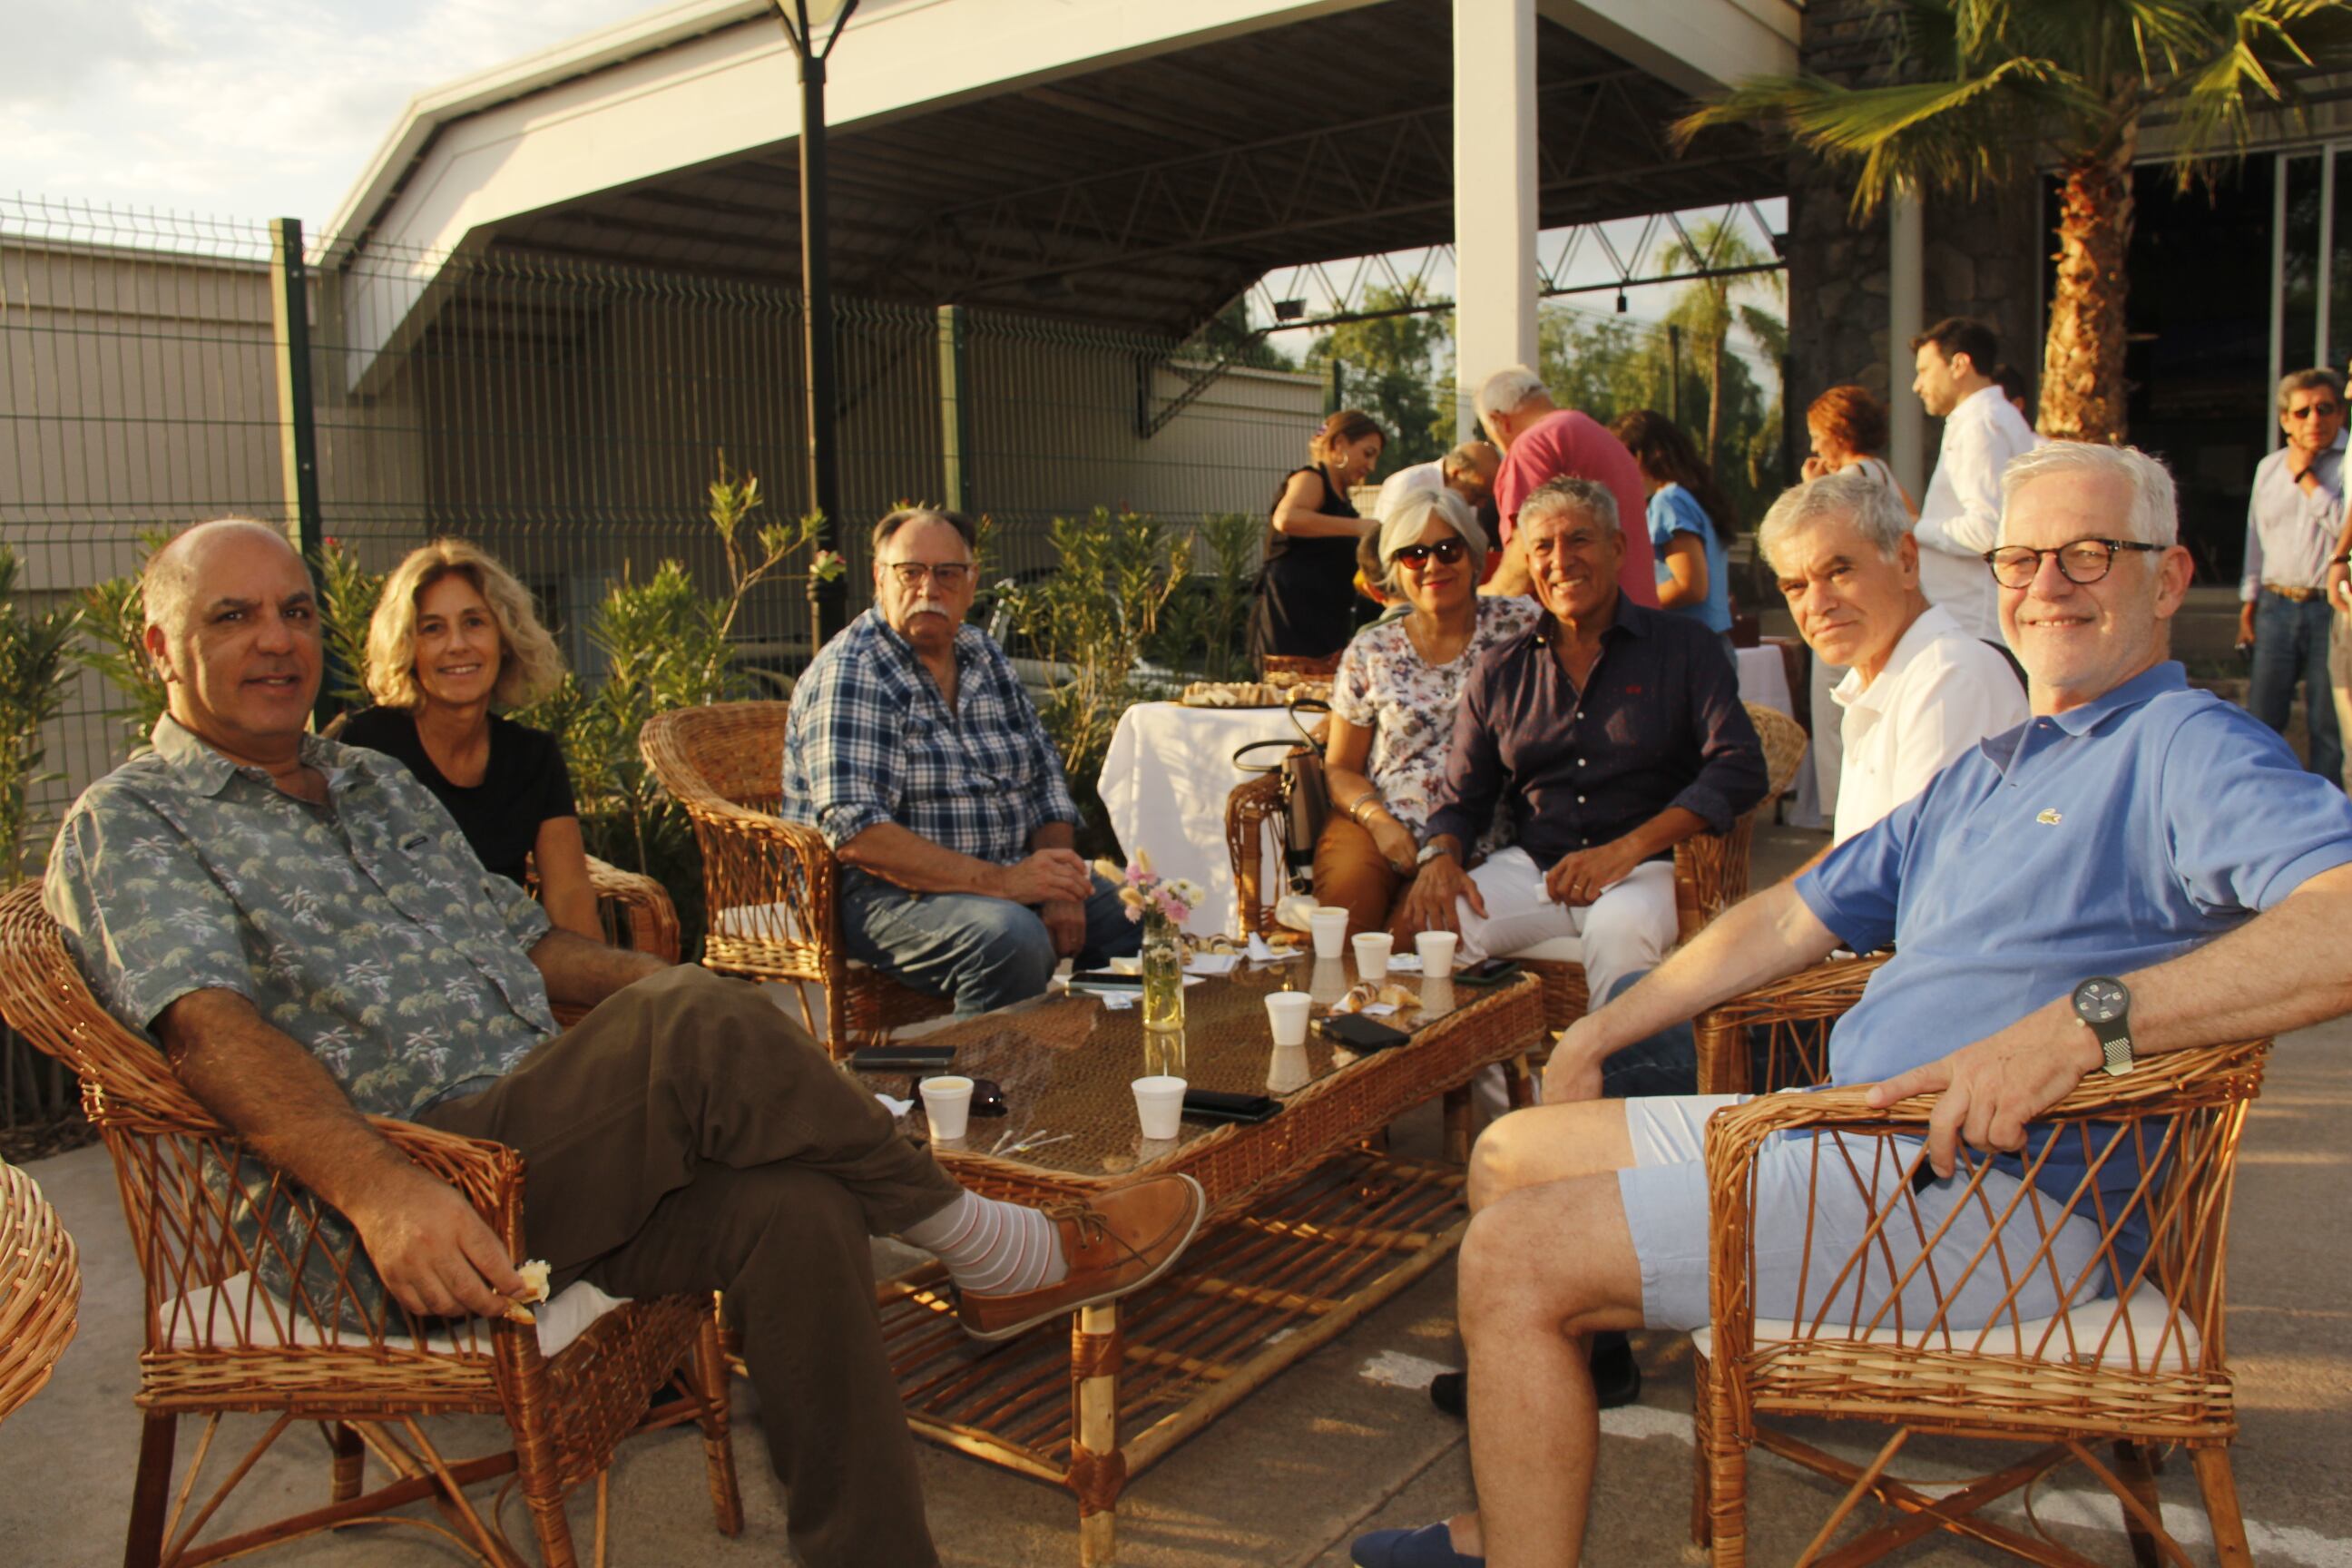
x=453 y=635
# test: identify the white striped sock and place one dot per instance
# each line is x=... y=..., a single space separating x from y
x=992 y=1248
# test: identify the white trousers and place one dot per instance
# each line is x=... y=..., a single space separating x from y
x=1626 y=930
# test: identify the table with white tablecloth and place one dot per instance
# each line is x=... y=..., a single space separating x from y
x=1164 y=783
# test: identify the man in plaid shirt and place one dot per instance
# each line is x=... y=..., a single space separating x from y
x=913 y=749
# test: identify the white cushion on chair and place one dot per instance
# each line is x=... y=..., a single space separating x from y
x=764 y=922
x=215 y=1318
x=1554 y=950
x=2159 y=1339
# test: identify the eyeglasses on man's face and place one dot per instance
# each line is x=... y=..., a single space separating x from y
x=2084 y=561
x=2321 y=410
x=949 y=576
x=1445 y=552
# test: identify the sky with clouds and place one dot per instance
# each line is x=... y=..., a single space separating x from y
x=242 y=109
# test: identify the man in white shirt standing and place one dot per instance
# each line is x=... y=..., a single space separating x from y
x=1960 y=518
x=1918 y=690
x=1468 y=471
x=2292 y=518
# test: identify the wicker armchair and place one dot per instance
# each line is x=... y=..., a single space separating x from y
x=635 y=910
x=768 y=883
x=210 y=1225
x=1710 y=869
x=40 y=1287
x=2134 y=1359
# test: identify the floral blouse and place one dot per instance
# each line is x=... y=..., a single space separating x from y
x=1386 y=687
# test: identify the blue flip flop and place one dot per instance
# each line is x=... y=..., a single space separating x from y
x=1431 y=1546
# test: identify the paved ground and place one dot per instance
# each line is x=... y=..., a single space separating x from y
x=1344 y=1441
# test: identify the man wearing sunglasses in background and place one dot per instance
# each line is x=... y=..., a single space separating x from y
x=914 y=750
x=2293 y=520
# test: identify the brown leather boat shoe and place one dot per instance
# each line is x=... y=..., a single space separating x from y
x=1116 y=1243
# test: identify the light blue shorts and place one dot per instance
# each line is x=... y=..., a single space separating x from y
x=1665 y=1199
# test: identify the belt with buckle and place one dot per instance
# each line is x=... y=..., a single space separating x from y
x=2300 y=596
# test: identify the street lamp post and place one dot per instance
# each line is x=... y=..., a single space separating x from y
x=814 y=27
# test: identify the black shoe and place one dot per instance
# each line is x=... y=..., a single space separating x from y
x=1616 y=1376
x=1616 y=1379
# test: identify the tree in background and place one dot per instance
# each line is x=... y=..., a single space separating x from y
x=1400 y=369
x=1707 y=308
x=1984 y=88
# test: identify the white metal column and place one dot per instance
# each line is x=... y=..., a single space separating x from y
x=1494 y=192
x=1907 y=318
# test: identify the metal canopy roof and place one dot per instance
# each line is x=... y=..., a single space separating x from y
x=1147 y=195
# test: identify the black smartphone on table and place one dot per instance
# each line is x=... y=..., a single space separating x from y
x=909 y=1057
x=1486 y=971
x=1216 y=1105
x=1362 y=1033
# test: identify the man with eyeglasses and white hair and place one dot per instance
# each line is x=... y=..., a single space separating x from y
x=2138 y=868
x=914 y=750
x=2292 y=518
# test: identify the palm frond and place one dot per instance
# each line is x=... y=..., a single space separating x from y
x=2266 y=43
x=1908 y=136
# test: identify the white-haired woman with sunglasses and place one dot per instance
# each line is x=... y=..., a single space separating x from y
x=1392 y=703
x=453 y=635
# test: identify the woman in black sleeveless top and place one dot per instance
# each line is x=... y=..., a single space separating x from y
x=1306 y=605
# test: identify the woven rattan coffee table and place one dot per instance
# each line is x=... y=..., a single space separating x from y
x=1310 y=1227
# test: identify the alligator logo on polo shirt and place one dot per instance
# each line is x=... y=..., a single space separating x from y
x=2051 y=817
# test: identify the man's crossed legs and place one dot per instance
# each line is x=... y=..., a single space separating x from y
x=687 y=1136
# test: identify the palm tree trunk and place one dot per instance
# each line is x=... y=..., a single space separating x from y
x=1714 y=400
x=2083 y=394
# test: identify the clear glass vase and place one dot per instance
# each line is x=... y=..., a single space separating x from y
x=1163 y=974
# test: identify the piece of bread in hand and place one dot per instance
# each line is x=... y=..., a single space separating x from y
x=534 y=1288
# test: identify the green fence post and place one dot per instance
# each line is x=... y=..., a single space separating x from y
x=298 y=427
x=955 y=411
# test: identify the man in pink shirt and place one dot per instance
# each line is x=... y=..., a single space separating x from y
x=1541 y=441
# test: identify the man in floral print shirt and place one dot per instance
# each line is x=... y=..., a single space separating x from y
x=304 y=931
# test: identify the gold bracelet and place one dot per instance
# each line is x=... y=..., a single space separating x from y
x=1356 y=812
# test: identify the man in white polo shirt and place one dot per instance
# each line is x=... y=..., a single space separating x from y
x=1959 y=518
x=1918 y=690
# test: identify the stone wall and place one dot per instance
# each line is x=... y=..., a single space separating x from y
x=1984 y=256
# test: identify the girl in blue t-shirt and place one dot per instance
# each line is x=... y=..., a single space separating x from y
x=1690 y=521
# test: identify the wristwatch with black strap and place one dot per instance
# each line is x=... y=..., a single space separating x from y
x=2104 y=1002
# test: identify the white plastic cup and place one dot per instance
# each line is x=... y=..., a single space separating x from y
x=947 y=1101
x=1372 y=949
x=1160 y=1105
x=1286 y=1012
x=1329 y=926
x=1436 y=950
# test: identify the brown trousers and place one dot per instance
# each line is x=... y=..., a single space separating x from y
x=688 y=1136
x=1349 y=873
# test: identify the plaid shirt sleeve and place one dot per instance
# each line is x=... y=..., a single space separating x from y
x=850 y=754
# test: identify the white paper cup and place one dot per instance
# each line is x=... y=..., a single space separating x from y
x=1329 y=926
x=1372 y=949
x=1160 y=1105
x=947 y=1101
x=1286 y=1012
x=1436 y=950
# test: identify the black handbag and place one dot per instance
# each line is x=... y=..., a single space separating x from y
x=1306 y=792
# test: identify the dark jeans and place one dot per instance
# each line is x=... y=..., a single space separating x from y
x=687 y=1136
x=2291 y=645
x=982 y=952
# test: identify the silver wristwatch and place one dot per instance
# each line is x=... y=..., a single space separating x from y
x=1430 y=852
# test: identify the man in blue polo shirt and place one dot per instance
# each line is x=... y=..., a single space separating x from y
x=2132 y=828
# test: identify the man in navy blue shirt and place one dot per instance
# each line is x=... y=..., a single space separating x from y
x=1606 y=736
x=2133 y=828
